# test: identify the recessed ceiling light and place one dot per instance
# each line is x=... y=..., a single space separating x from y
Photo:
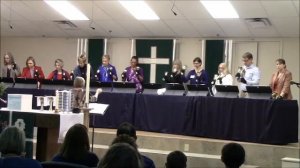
x=220 y=9
x=139 y=9
x=66 y=9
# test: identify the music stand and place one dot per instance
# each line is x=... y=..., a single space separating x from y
x=229 y=91
x=25 y=83
x=105 y=86
x=97 y=108
x=197 y=90
x=175 y=89
x=151 y=88
x=123 y=87
x=259 y=92
x=57 y=84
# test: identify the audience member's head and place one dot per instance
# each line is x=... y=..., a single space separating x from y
x=128 y=129
x=79 y=82
x=176 y=159
x=124 y=138
x=121 y=155
x=233 y=155
x=12 y=141
x=76 y=143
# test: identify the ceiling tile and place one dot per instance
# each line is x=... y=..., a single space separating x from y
x=280 y=8
x=296 y=5
x=249 y=9
x=182 y=28
x=114 y=10
x=234 y=28
x=192 y=9
x=287 y=26
x=158 y=28
x=8 y=14
x=116 y=29
x=163 y=10
x=207 y=27
x=42 y=9
x=135 y=28
x=27 y=12
x=91 y=10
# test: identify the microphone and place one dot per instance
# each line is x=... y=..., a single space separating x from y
x=294 y=83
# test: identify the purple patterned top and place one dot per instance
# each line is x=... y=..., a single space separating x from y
x=132 y=76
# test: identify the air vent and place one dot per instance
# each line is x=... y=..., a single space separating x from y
x=64 y=24
x=256 y=23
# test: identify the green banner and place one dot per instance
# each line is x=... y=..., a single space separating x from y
x=214 y=54
x=164 y=50
x=95 y=53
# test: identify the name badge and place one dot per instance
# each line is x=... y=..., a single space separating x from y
x=192 y=76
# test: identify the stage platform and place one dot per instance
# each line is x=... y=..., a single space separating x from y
x=201 y=152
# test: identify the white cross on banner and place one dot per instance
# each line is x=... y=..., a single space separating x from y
x=153 y=61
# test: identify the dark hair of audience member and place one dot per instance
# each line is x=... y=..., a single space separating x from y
x=233 y=155
x=12 y=141
x=76 y=143
x=176 y=159
x=125 y=139
x=128 y=129
x=121 y=155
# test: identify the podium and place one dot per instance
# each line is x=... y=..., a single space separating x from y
x=229 y=91
x=259 y=92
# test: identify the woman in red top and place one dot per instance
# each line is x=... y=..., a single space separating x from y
x=32 y=71
x=59 y=73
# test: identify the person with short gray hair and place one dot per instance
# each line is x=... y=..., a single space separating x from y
x=12 y=148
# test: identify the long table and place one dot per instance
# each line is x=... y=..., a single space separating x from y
x=250 y=120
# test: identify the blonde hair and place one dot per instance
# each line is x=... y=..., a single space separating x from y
x=82 y=58
x=106 y=56
x=178 y=62
x=224 y=65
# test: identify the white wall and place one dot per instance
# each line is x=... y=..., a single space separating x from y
x=44 y=50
